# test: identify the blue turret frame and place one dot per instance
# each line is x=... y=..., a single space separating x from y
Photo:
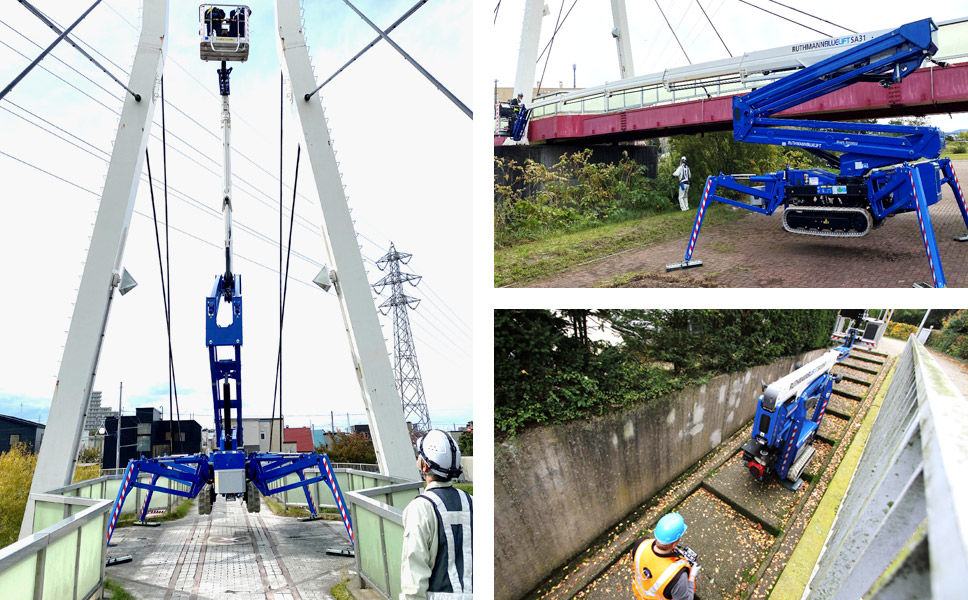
x=882 y=155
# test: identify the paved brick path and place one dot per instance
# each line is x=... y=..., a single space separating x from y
x=754 y=251
x=231 y=554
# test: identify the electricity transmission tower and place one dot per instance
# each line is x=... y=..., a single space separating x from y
x=406 y=369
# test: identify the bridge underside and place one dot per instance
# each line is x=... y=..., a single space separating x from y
x=928 y=91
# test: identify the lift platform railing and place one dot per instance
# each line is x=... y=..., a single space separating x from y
x=901 y=530
x=726 y=77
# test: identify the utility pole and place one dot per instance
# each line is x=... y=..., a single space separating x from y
x=406 y=369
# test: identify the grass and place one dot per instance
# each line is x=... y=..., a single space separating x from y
x=797 y=572
x=278 y=508
x=179 y=512
x=340 y=592
x=954 y=156
x=467 y=487
x=524 y=263
x=117 y=592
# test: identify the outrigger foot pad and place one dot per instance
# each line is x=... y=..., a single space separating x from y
x=792 y=485
x=340 y=552
x=961 y=238
x=921 y=284
x=686 y=264
x=147 y=524
x=310 y=518
x=117 y=560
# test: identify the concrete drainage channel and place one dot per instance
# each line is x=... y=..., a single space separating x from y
x=743 y=530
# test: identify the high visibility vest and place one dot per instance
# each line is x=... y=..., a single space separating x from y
x=452 y=575
x=653 y=573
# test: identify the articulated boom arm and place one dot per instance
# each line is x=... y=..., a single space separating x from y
x=886 y=59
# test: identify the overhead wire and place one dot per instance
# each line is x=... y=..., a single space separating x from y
x=184 y=197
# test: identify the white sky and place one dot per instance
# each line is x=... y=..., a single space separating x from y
x=585 y=39
x=404 y=151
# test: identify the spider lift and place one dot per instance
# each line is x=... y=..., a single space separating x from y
x=879 y=175
x=788 y=414
x=227 y=472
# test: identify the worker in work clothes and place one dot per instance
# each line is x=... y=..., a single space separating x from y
x=438 y=532
x=517 y=105
x=683 y=174
x=662 y=569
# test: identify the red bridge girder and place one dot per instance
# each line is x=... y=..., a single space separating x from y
x=927 y=91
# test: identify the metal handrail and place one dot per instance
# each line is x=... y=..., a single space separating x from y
x=903 y=520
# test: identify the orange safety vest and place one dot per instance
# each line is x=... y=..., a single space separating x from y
x=653 y=573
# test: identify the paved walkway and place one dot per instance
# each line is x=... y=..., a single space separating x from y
x=231 y=554
x=957 y=372
x=754 y=251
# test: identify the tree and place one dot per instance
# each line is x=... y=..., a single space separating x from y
x=352 y=448
x=16 y=472
x=466 y=443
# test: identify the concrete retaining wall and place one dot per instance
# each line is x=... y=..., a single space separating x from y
x=557 y=488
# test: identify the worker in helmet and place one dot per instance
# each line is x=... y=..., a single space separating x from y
x=683 y=174
x=437 y=528
x=662 y=568
x=517 y=106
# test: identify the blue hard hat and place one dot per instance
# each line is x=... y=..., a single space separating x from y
x=670 y=528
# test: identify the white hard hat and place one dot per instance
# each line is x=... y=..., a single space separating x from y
x=683 y=159
x=441 y=454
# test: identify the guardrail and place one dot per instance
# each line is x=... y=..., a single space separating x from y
x=901 y=530
x=62 y=560
x=378 y=521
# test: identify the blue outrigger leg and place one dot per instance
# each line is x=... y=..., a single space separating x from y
x=878 y=173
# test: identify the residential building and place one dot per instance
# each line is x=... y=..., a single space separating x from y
x=14 y=430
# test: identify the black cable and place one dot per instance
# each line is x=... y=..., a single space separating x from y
x=497 y=8
x=551 y=45
x=812 y=16
x=714 y=28
x=785 y=18
x=555 y=32
x=674 y=31
x=164 y=294
x=172 y=387
x=275 y=386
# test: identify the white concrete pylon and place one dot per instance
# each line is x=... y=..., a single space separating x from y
x=391 y=439
x=528 y=49
x=75 y=379
x=620 y=32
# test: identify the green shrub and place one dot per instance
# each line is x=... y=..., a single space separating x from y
x=547 y=370
x=900 y=331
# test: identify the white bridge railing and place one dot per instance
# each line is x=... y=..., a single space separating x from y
x=902 y=528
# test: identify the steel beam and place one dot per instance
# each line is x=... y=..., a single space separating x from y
x=75 y=379
x=391 y=440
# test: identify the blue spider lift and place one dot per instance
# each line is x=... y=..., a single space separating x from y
x=878 y=174
x=228 y=472
x=788 y=415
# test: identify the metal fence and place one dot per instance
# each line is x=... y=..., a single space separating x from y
x=901 y=530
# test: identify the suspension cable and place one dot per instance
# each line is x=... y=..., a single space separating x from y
x=551 y=44
x=714 y=28
x=785 y=18
x=164 y=293
x=56 y=29
x=282 y=308
x=37 y=60
x=555 y=32
x=674 y=31
x=172 y=387
x=813 y=16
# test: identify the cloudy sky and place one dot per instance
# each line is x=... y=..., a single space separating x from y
x=585 y=39
x=405 y=156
